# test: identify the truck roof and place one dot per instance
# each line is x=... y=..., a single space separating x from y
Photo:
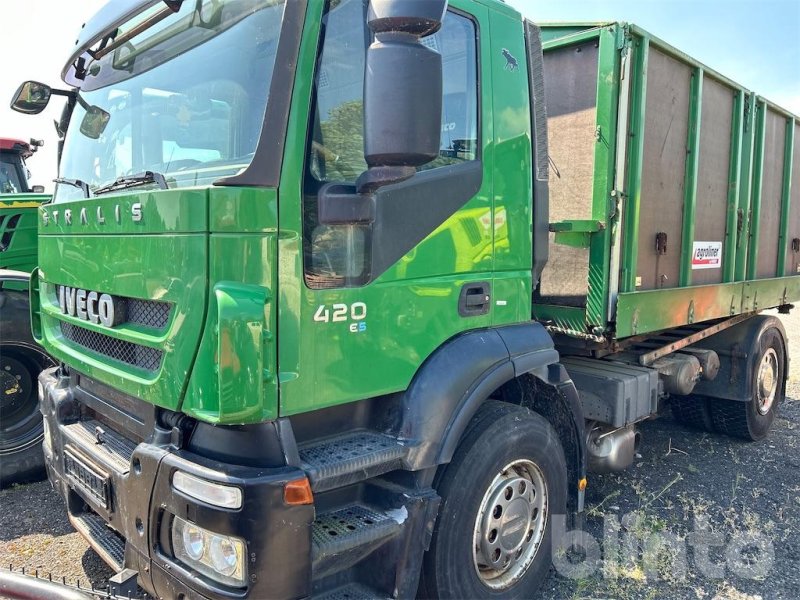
x=15 y=145
x=112 y=14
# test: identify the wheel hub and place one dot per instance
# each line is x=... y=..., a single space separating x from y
x=510 y=524
x=767 y=384
x=12 y=387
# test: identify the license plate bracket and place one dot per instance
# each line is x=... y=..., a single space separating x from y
x=87 y=477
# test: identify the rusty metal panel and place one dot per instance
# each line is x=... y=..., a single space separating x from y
x=664 y=163
x=571 y=96
x=793 y=250
x=772 y=188
x=713 y=173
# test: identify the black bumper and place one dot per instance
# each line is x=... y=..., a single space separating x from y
x=128 y=486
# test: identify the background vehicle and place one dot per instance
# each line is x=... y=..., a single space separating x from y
x=21 y=359
x=352 y=355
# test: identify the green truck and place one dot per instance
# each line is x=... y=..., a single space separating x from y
x=21 y=359
x=348 y=297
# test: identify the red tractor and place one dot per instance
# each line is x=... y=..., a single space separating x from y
x=13 y=173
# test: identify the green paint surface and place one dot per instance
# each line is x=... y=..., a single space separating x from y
x=18 y=231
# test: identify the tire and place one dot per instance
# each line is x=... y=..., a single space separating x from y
x=21 y=427
x=752 y=420
x=500 y=435
x=21 y=361
x=692 y=411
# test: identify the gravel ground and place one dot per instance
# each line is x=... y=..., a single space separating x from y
x=688 y=490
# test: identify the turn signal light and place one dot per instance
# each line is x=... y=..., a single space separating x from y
x=298 y=492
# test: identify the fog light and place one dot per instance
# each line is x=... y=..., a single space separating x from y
x=224 y=496
x=219 y=557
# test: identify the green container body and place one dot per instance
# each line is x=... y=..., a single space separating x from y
x=674 y=191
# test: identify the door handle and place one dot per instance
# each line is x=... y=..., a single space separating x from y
x=475 y=299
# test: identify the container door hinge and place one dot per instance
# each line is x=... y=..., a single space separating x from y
x=661 y=243
x=617 y=198
x=747 y=109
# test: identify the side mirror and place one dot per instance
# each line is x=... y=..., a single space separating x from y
x=31 y=98
x=94 y=122
x=402 y=91
x=37 y=189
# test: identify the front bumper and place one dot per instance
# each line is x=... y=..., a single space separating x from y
x=119 y=496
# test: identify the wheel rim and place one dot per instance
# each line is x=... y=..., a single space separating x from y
x=767 y=384
x=510 y=524
x=18 y=403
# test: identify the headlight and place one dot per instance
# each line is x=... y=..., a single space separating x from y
x=224 y=555
x=193 y=542
x=217 y=556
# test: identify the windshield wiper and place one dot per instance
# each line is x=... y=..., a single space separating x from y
x=78 y=183
x=129 y=181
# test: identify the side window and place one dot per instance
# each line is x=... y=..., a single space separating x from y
x=337 y=147
x=335 y=255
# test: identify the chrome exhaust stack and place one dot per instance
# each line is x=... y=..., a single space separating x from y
x=611 y=450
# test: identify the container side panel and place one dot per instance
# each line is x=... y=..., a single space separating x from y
x=664 y=163
x=712 y=178
x=571 y=92
x=770 y=213
x=793 y=232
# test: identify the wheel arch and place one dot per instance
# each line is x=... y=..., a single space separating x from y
x=517 y=364
x=737 y=348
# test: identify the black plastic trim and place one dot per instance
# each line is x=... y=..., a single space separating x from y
x=738 y=348
x=460 y=376
x=265 y=168
x=407 y=212
x=144 y=502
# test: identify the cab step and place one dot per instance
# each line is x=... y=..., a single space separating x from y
x=105 y=541
x=344 y=536
x=347 y=459
x=351 y=591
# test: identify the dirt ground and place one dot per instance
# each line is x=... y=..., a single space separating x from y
x=718 y=519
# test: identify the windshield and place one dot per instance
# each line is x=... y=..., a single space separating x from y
x=186 y=97
x=10 y=180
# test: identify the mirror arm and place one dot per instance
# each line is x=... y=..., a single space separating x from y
x=68 y=93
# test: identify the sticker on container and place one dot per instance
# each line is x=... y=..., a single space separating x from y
x=707 y=255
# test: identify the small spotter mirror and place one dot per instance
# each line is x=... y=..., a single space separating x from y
x=31 y=98
x=94 y=122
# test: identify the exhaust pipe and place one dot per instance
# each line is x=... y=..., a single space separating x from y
x=611 y=450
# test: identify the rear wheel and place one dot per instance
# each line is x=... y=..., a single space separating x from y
x=500 y=493
x=752 y=420
x=692 y=411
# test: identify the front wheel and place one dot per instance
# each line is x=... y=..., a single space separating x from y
x=500 y=493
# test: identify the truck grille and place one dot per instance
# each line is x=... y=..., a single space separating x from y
x=129 y=353
x=150 y=313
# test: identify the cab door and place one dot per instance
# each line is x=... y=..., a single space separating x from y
x=349 y=330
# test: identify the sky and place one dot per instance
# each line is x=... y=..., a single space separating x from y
x=754 y=42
